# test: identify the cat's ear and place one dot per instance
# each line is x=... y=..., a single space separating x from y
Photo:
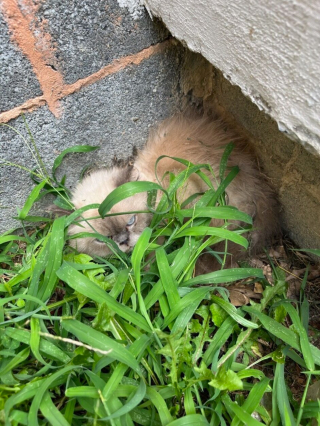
x=58 y=211
x=122 y=175
x=135 y=174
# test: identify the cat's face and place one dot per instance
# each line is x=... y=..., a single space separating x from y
x=124 y=230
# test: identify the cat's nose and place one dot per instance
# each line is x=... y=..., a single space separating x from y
x=121 y=239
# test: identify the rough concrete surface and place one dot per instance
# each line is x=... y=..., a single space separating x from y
x=269 y=49
x=94 y=33
x=114 y=113
x=134 y=7
x=17 y=80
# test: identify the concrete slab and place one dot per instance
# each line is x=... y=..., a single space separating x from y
x=269 y=49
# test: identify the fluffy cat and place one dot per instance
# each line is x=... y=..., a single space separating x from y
x=199 y=140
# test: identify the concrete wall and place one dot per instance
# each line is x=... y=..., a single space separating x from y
x=83 y=72
x=263 y=72
x=270 y=49
x=291 y=169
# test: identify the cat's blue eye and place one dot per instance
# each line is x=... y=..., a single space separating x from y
x=131 y=220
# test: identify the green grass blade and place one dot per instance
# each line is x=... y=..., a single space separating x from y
x=220 y=212
x=77 y=148
x=111 y=244
x=35 y=219
x=136 y=259
x=219 y=339
x=131 y=404
x=185 y=316
x=20 y=277
x=282 y=399
x=241 y=414
x=138 y=254
x=160 y=405
x=201 y=231
x=304 y=340
x=188 y=402
x=45 y=385
x=7 y=238
x=26 y=393
x=27 y=297
x=46 y=347
x=253 y=399
x=224 y=184
x=224 y=159
x=311 y=251
x=225 y=276
x=98 y=340
x=18 y=417
x=54 y=260
x=168 y=282
x=124 y=191
x=31 y=199
x=83 y=285
x=77 y=213
x=38 y=267
x=35 y=339
x=285 y=334
x=233 y=312
x=15 y=361
x=137 y=347
x=51 y=413
x=194 y=297
x=69 y=411
x=179 y=264
x=190 y=420
x=82 y=391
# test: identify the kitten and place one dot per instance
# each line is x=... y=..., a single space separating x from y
x=199 y=140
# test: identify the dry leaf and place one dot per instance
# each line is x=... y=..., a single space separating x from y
x=258 y=288
x=240 y=294
x=237 y=298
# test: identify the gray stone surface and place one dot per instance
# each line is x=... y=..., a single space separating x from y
x=17 y=80
x=89 y=34
x=114 y=113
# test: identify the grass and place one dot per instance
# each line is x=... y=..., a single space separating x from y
x=138 y=339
